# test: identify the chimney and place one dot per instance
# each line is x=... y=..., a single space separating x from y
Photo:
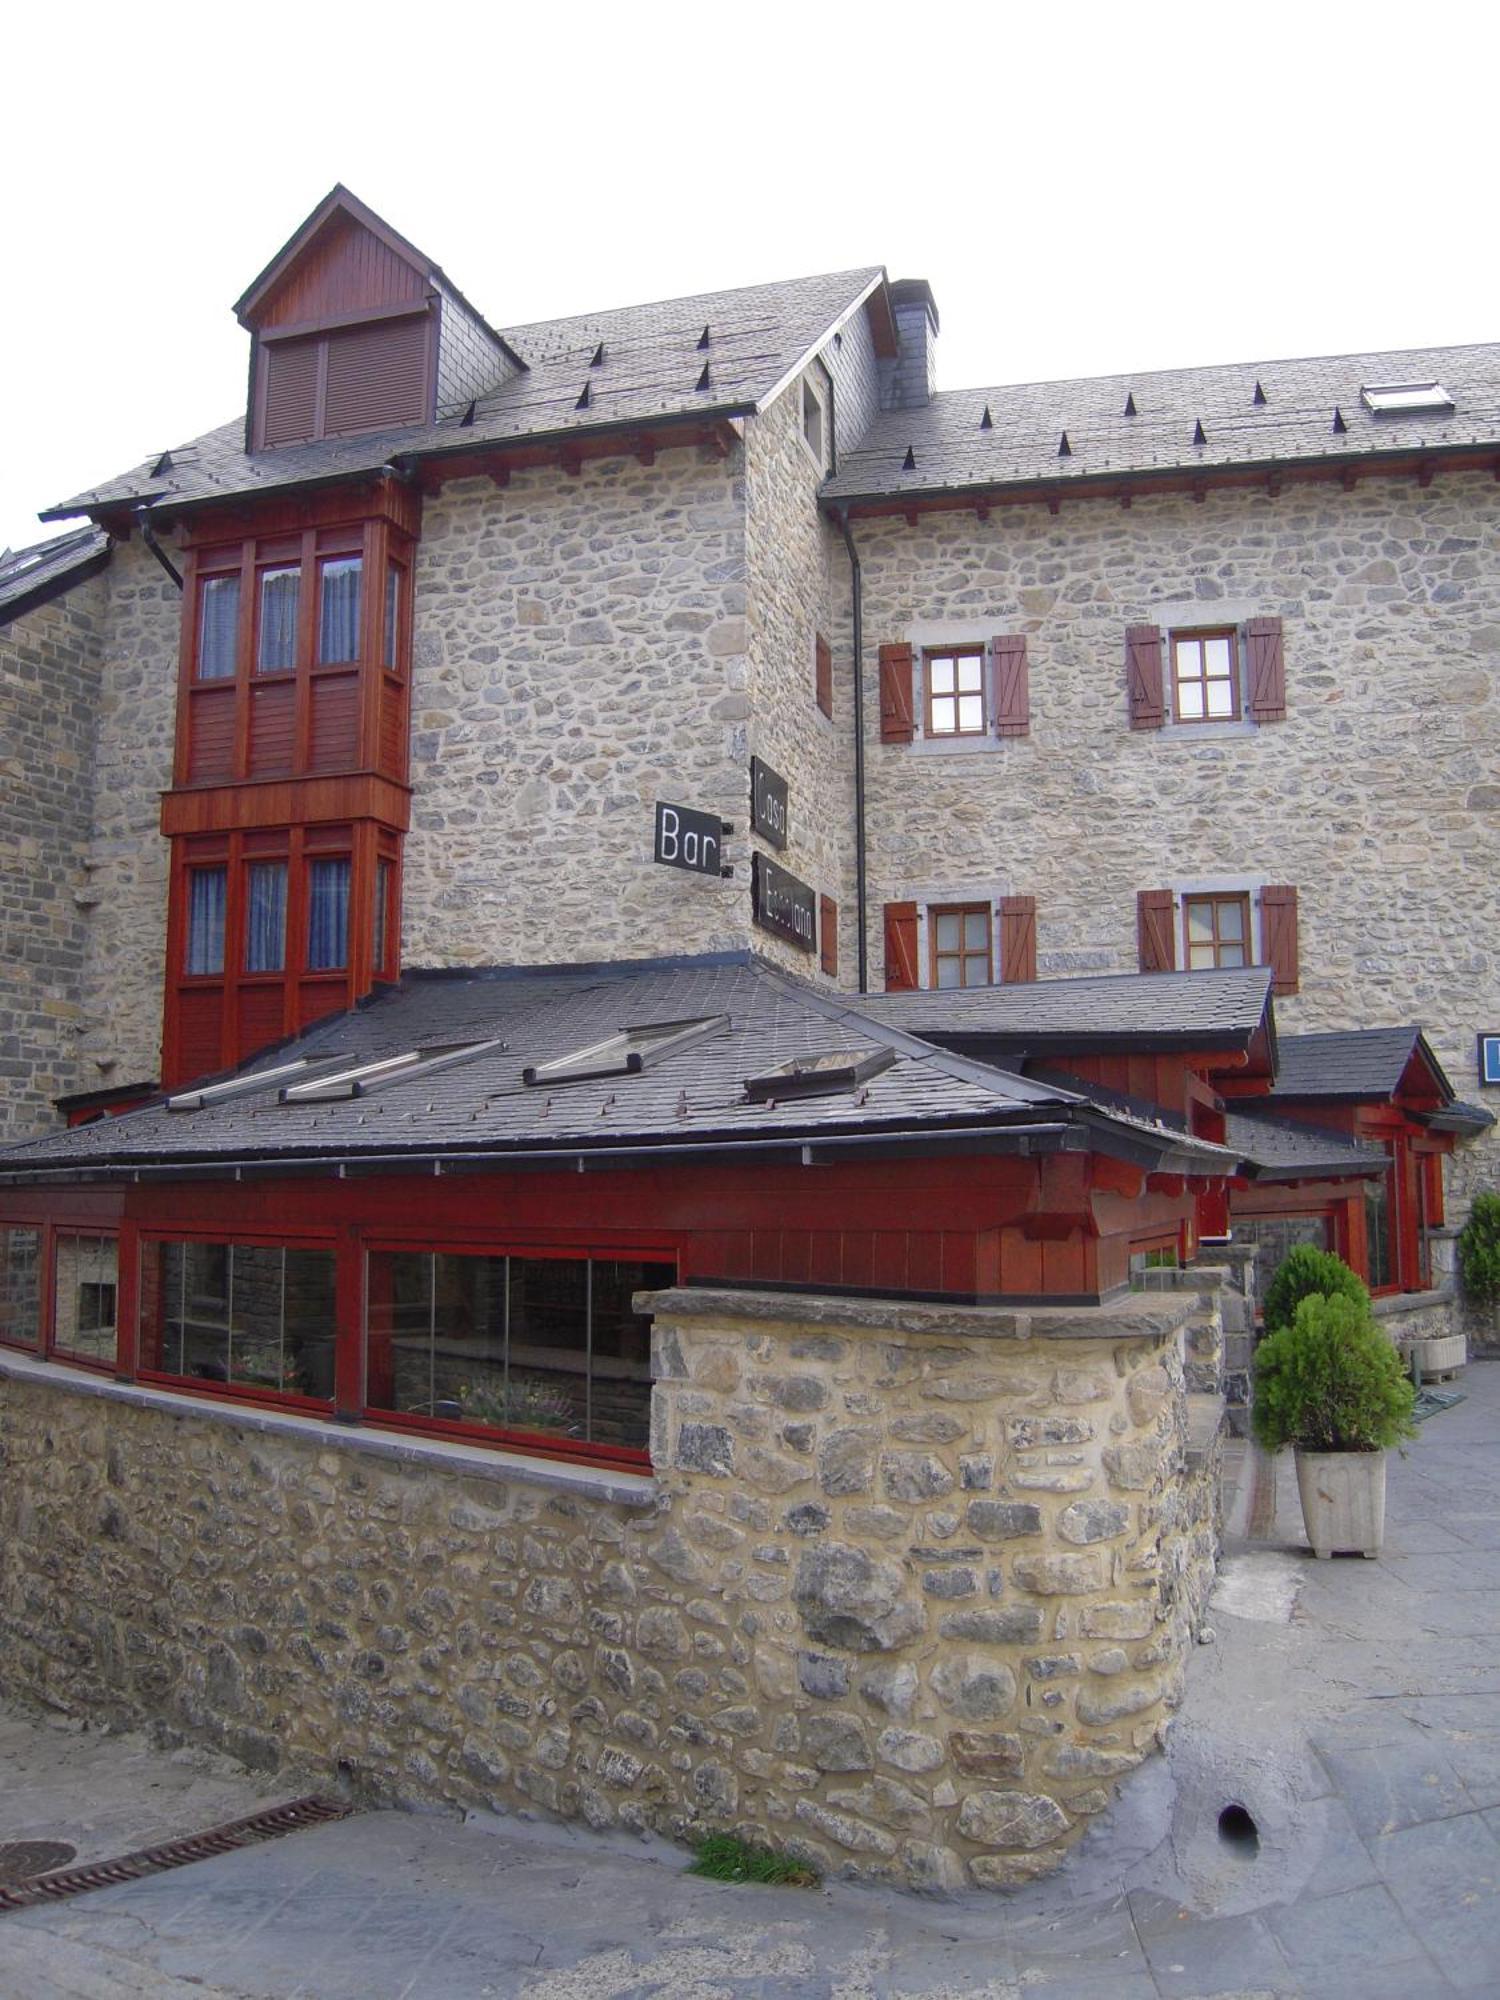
x=909 y=379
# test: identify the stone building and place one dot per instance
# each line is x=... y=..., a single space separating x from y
x=657 y=945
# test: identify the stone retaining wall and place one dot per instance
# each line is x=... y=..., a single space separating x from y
x=910 y=1589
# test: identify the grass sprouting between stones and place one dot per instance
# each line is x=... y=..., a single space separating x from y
x=722 y=1858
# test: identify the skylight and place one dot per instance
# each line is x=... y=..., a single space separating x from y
x=624 y=1053
x=380 y=1073
x=818 y=1076
x=1388 y=399
x=238 y=1086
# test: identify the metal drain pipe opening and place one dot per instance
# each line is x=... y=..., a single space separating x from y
x=1238 y=1830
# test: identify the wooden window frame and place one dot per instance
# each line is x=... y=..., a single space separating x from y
x=963 y=955
x=380 y=671
x=1198 y=635
x=1216 y=898
x=968 y=650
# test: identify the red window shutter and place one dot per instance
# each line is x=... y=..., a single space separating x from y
x=1017 y=939
x=1156 y=935
x=901 y=948
x=823 y=686
x=1012 y=685
x=1278 y=935
x=1267 y=670
x=377 y=375
x=290 y=373
x=1143 y=676
x=896 y=722
x=828 y=935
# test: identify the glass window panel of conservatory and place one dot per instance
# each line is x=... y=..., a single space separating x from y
x=85 y=1291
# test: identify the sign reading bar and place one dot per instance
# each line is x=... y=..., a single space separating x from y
x=783 y=904
x=688 y=839
x=768 y=802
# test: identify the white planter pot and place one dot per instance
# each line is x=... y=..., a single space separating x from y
x=1440 y=1354
x=1343 y=1500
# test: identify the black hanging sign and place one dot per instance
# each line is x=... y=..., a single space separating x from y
x=689 y=839
x=783 y=904
x=768 y=803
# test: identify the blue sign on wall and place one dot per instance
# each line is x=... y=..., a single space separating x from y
x=1489 y=1059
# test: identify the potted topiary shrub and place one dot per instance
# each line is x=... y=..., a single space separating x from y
x=1330 y=1384
x=1303 y=1271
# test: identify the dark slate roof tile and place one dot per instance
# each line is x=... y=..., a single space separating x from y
x=1349 y=1063
x=758 y=334
x=29 y=577
x=1278 y=1149
x=952 y=449
x=695 y=1094
x=1160 y=1006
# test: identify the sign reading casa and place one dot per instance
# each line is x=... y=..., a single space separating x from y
x=768 y=813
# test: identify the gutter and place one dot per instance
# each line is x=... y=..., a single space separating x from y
x=857 y=620
x=142 y=515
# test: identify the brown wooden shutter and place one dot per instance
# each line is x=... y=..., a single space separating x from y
x=377 y=375
x=289 y=412
x=896 y=722
x=1267 y=670
x=1278 y=934
x=1156 y=933
x=1012 y=685
x=1017 y=939
x=1143 y=676
x=823 y=681
x=901 y=948
x=828 y=935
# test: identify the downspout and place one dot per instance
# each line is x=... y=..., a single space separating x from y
x=148 y=536
x=857 y=619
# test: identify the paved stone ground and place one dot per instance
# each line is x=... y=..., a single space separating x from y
x=1353 y=1708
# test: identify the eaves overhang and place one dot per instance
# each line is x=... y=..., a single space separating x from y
x=415 y=463
x=1420 y=462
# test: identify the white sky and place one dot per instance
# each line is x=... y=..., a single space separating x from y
x=1087 y=189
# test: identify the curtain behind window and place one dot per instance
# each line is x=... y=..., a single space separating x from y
x=218 y=624
x=265 y=920
x=279 y=591
x=338 y=614
x=205 y=944
x=328 y=915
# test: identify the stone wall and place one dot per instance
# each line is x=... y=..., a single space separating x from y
x=125 y=861
x=789 y=562
x=579 y=653
x=49 y=694
x=1377 y=796
x=910 y=1589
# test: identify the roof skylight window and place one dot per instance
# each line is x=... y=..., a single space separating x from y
x=818 y=1076
x=1390 y=399
x=625 y=1053
x=382 y=1072
x=239 y=1086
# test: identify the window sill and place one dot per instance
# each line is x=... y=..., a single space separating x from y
x=958 y=746
x=431 y=1454
x=1208 y=732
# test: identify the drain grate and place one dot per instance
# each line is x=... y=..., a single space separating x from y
x=21 y=1859
x=58 y=1882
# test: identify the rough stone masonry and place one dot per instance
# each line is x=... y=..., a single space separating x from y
x=910 y=1587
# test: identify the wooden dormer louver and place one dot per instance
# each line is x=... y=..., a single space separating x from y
x=360 y=378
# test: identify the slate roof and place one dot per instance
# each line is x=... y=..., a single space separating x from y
x=759 y=335
x=1352 y=1063
x=1216 y=1009
x=1295 y=423
x=1277 y=1149
x=29 y=577
x=688 y=1100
